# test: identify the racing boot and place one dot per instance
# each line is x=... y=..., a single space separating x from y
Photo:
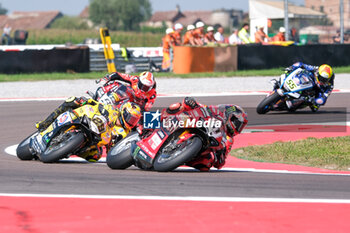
x=315 y=107
x=71 y=102
x=92 y=154
x=42 y=125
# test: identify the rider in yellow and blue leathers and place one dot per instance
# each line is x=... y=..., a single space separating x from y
x=322 y=76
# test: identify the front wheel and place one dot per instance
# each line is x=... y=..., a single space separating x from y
x=266 y=104
x=62 y=145
x=23 y=150
x=120 y=157
x=170 y=156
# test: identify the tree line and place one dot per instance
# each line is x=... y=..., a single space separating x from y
x=115 y=14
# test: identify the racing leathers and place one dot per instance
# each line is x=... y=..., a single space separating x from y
x=144 y=99
x=214 y=156
x=322 y=89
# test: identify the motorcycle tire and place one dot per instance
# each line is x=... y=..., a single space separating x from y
x=167 y=162
x=264 y=105
x=120 y=156
x=56 y=151
x=23 y=150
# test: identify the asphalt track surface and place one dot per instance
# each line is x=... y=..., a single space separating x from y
x=17 y=176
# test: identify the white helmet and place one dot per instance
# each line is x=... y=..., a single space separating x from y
x=199 y=24
x=282 y=29
x=210 y=28
x=146 y=81
x=169 y=30
x=178 y=26
x=190 y=27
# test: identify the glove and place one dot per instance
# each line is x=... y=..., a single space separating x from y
x=288 y=69
x=190 y=101
x=103 y=80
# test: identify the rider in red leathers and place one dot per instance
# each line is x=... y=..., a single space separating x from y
x=143 y=94
x=234 y=119
x=144 y=87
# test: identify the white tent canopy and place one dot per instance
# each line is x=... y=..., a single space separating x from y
x=262 y=10
x=275 y=10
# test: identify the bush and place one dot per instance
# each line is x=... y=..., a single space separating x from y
x=69 y=22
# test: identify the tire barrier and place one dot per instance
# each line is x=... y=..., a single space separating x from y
x=75 y=59
x=256 y=56
x=270 y=56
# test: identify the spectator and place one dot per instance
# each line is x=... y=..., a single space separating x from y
x=234 y=39
x=219 y=35
x=260 y=35
x=199 y=34
x=168 y=43
x=243 y=34
x=6 y=35
x=280 y=35
x=209 y=36
x=294 y=34
x=336 y=38
x=177 y=34
x=189 y=35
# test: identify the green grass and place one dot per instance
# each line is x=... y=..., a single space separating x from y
x=50 y=76
x=95 y=75
x=328 y=153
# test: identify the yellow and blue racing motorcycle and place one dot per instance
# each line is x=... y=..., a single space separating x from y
x=83 y=131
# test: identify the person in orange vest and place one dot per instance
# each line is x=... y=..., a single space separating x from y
x=199 y=34
x=280 y=35
x=260 y=35
x=168 y=43
x=209 y=36
x=188 y=38
x=177 y=34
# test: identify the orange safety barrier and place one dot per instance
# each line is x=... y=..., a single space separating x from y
x=226 y=59
x=204 y=59
x=193 y=59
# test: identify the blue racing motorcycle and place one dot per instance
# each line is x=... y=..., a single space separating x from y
x=295 y=88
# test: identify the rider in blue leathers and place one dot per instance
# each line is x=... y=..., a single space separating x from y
x=323 y=77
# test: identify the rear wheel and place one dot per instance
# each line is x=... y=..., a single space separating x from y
x=62 y=145
x=267 y=103
x=173 y=155
x=23 y=150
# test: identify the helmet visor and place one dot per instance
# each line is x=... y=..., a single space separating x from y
x=144 y=87
x=237 y=124
x=322 y=79
x=130 y=119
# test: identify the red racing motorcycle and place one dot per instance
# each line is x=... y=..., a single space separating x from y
x=180 y=139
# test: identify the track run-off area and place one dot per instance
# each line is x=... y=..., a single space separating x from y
x=245 y=196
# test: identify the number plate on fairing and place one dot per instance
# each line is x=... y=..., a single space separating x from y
x=98 y=124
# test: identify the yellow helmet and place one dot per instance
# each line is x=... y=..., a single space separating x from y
x=131 y=114
x=325 y=73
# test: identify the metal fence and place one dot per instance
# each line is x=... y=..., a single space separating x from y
x=141 y=63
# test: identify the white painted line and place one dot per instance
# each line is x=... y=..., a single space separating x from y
x=11 y=150
x=185 y=198
x=235 y=93
x=32 y=99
